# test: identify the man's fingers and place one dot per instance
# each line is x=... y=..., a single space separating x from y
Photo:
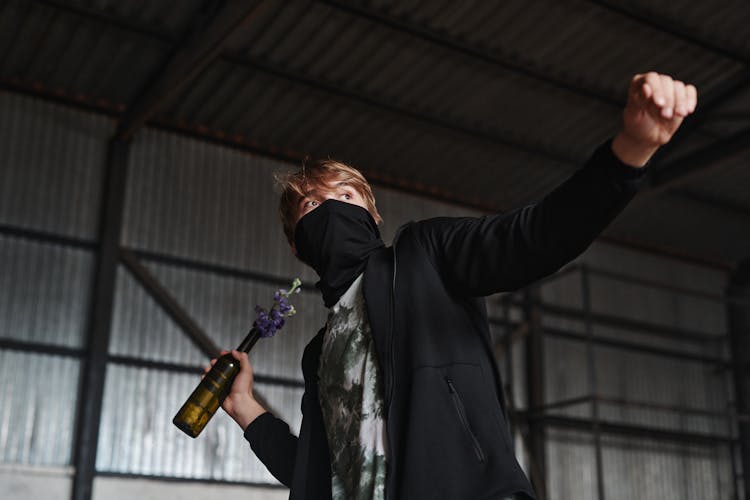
x=680 y=99
x=653 y=80
x=244 y=380
x=646 y=91
x=640 y=90
x=667 y=88
x=242 y=358
x=666 y=97
x=692 y=97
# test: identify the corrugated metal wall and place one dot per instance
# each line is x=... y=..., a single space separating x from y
x=191 y=204
x=640 y=467
x=137 y=435
x=45 y=291
x=50 y=176
x=52 y=166
x=37 y=415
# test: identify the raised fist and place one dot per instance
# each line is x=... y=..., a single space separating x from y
x=656 y=106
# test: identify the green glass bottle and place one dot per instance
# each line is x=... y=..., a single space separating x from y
x=210 y=393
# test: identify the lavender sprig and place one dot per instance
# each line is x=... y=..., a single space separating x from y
x=269 y=322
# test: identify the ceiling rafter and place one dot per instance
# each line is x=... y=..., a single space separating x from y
x=661 y=183
x=720 y=95
x=673 y=28
x=335 y=89
x=380 y=104
x=453 y=43
x=666 y=175
x=698 y=163
x=712 y=202
x=377 y=178
x=457 y=45
x=106 y=18
x=198 y=50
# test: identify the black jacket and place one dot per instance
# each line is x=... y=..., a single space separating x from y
x=447 y=432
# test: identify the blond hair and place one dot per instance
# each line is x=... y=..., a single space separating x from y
x=318 y=174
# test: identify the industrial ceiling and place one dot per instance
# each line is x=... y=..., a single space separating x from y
x=483 y=103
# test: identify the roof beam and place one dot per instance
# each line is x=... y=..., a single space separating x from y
x=187 y=61
x=709 y=201
x=404 y=111
x=720 y=95
x=699 y=163
x=440 y=38
x=105 y=17
x=461 y=47
x=672 y=27
x=321 y=85
x=392 y=182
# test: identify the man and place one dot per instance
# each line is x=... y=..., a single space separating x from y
x=402 y=394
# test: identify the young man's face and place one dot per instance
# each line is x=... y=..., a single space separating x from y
x=333 y=190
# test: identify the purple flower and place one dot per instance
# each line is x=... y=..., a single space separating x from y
x=269 y=322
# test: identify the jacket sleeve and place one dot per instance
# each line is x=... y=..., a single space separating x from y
x=274 y=445
x=269 y=436
x=503 y=252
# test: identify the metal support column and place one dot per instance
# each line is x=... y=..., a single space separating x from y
x=739 y=332
x=100 y=316
x=535 y=388
x=593 y=386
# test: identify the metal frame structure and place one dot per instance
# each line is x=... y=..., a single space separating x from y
x=95 y=357
x=91 y=389
x=669 y=176
x=739 y=320
x=202 y=45
x=536 y=418
x=532 y=421
x=206 y=46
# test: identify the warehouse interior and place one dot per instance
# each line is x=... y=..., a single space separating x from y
x=138 y=226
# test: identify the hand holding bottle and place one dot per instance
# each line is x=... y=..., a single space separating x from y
x=228 y=380
x=240 y=403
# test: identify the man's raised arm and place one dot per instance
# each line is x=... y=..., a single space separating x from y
x=485 y=255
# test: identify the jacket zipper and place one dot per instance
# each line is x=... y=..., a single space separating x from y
x=391 y=360
x=462 y=417
x=391 y=324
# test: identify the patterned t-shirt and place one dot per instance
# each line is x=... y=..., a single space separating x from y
x=351 y=398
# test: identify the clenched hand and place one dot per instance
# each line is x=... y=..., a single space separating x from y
x=656 y=106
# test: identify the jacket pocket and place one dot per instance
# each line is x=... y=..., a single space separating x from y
x=464 y=421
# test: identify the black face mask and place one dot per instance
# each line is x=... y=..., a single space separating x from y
x=336 y=239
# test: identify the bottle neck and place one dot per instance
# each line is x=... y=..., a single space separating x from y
x=249 y=341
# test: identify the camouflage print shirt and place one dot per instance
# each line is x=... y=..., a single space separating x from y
x=351 y=399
